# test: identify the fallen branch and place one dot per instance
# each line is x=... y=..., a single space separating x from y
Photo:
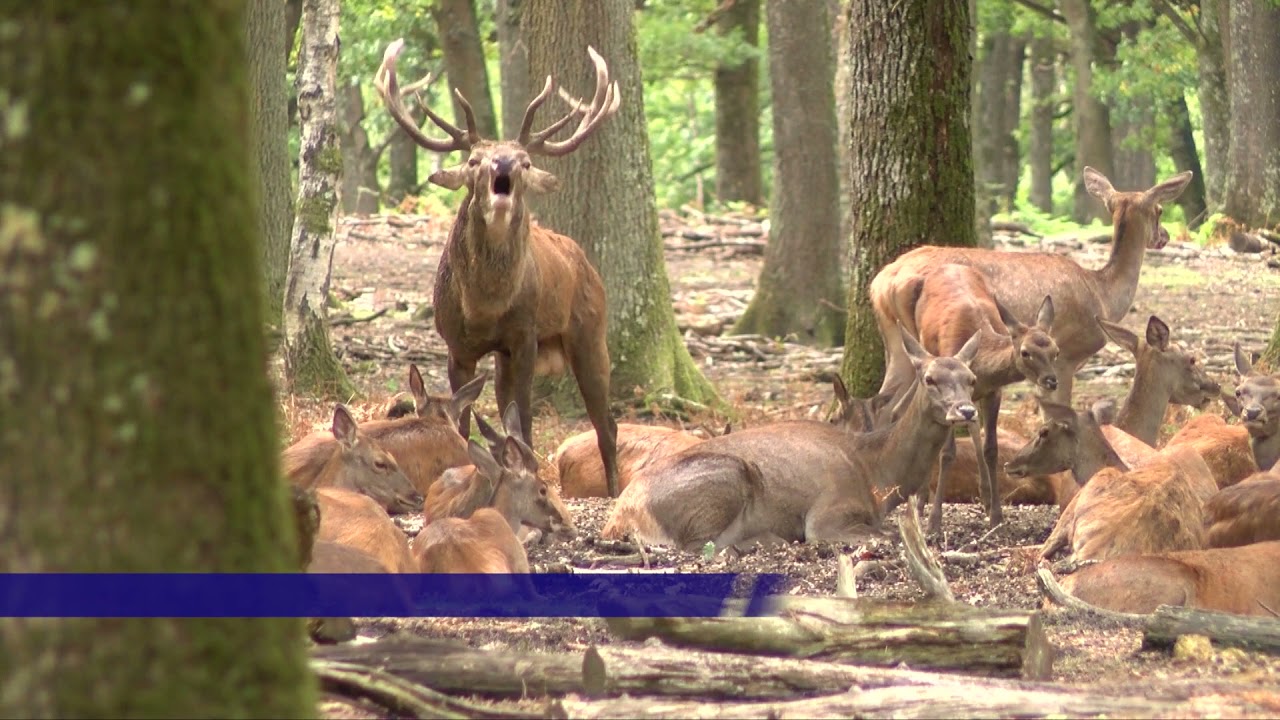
x=353 y=320
x=400 y=696
x=1167 y=623
x=1014 y=227
x=920 y=562
x=1050 y=587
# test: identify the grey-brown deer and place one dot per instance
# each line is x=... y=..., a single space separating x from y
x=803 y=479
x=348 y=458
x=1257 y=402
x=1020 y=280
x=504 y=284
x=946 y=305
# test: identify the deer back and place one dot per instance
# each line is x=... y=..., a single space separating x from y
x=482 y=543
x=354 y=520
x=1225 y=448
x=1247 y=512
x=581 y=473
x=331 y=557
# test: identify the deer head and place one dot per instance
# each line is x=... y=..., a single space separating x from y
x=497 y=173
x=1152 y=200
x=1167 y=361
x=1053 y=447
x=947 y=381
x=443 y=409
x=1037 y=351
x=361 y=465
x=512 y=469
x=1257 y=398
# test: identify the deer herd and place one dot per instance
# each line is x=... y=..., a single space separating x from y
x=1195 y=522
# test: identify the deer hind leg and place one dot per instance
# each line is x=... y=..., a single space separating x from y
x=945 y=458
x=462 y=372
x=590 y=364
x=989 y=455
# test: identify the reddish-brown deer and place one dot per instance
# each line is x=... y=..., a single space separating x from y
x=1159 y=506
x=577 y=461
x=350 y=459
x=354 y=520
x=1257 y=402
x=1242 y=580
x=1247 y=512
x=504 y=284
x=1225 y=448
x=799 y=480
x=946 y=305
x=424 y=445
x=1021 y=280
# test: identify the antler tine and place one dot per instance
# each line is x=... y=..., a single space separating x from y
x=526 y=125
x=393 y=98
x=604 y=103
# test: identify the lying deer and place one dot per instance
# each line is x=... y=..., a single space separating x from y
x=1225 y=448
x=504 y=284
x=485 y=541
x=348 y=458
x=1247 y=512
x=945 y=306
x=423 y=445
x=802 y=479
x=351 y=519
x=1021 y=280
x=1257 y=403
x=1159 y=506
x=1242 y=580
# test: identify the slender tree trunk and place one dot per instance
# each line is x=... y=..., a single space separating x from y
x=265 y=42
x=844 y=95
x=1091 y=118
x=1252 y=192
x=607 y=198
x=359 y=163
x=1131 y=129
x=799 y=290
x=1215 y=102
x=1182 y=148
x=909 y=150
x=138 y=430
x=513 y=63
x=1010 y=153
x=310 y=363
x=292 y=19
x=464 y=62
x=1044 y=81
x=738 y=174
x=997 y=110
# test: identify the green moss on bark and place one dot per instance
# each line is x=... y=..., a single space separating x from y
x=313 y=368
x=138 y=429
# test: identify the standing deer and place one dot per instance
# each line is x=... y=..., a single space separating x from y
x=803 y=479
x=944 y=307
x=1020 y=281
x=504 y=284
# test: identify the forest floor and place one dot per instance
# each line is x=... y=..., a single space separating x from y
x=1209 y=297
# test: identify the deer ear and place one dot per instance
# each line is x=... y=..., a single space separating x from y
x=1169 y=189
x=1243 y=366
x=1119 y=335
x=450 y=178
x=1231 y=401
x=1098 y=186
x=1104 y=411
x=918 y=354
x=842 y=392
x=511 y=421
x=466 y=396
x=1157 y=334
x=416 y=387
x=541 y=181
x=344 y=426
x=1056 y=411
x=487 y=432
x=970 y=349
x=1010 y=320
x=483 y=460
x=1044 y=318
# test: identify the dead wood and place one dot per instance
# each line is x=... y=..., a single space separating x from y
x=1055 y=592
x=921 y=564
x=1167 y=623
x=400 y=696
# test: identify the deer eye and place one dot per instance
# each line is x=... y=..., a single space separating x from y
x=381 y=466
x=1044 y=433
x=929 y=381
x=473 y=162
x=526 y=164
x=1026 y=355
x=542 y=491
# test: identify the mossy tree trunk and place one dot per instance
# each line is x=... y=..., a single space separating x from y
x=606 y=202
x=265 y=42
x=1215 y=103
x=910 y=157
x=737 y=87
x=464 y=62
x=800 y=290
x=1252 y=192
x=138 y=431
x=310 y=363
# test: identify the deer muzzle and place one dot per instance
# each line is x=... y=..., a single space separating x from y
x=962 y=413
x=1049 y=382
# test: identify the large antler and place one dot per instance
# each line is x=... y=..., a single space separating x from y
x=604 y=103
x=393 y=97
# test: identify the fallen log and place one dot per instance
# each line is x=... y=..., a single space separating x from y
x=401 y=697
x=933 y=636
x=1167 y=623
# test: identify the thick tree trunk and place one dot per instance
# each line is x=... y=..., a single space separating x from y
x=138 y=430
x=799 y=290
x=1090 y=116
x=359 y=163
x=265 y=42
x=911 y=171
x=1215 y=103
x=292 y=20
x=738 y=173
x=1044 y=80
x=606 y=202
x=310 y=363
x=1182 y=148
x=402 y=162
x=513 y=64
x=1252 y=194
x=464 y=62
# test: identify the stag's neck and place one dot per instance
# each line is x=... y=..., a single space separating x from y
x=1118 y=279
x=486 y=255
x=904 y=454
x=1093 y=454
x=1143 y=408
x=996 y=363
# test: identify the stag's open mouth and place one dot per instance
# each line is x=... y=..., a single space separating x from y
x=502 y=184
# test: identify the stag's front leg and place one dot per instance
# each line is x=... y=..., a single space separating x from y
x=989 y=410
x=460 y=373
x=515 y=376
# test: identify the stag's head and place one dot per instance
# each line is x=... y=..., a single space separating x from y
x=498 y=173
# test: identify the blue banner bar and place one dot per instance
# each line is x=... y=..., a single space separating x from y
x=216 y=595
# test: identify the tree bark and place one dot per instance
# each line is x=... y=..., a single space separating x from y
x=464 y=62
x=1044 y=80
x=1132 y=137
x=910 y=158
x=932 y=636
x=738 y=172
x=269 y=163
x=799 y=290
x=999 y=85
x=359 y=162
x=310 y=364
x=131 y=358
x=607 y=200
x=1168 y=623
x=1182 y=148
x=1215 y=102
x=1090 y=116
x=1252 y=193
x=513 y=63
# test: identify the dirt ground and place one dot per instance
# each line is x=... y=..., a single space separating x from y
x=1209 y=297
